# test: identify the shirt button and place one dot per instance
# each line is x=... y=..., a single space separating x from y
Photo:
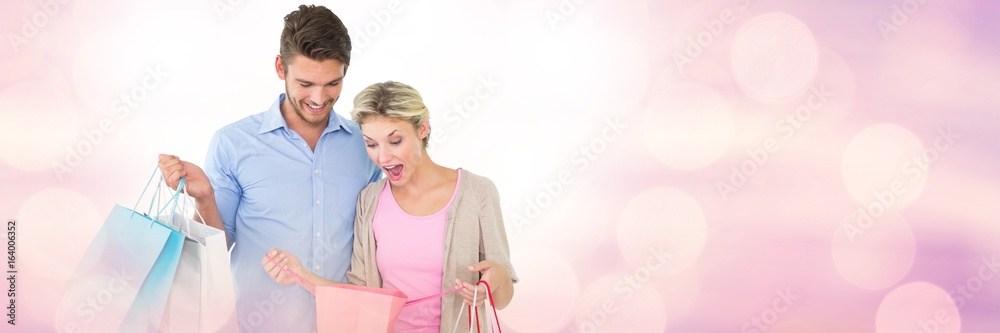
x=317 y=267
x=317 y=202
x=317 y=234
x=316 y=171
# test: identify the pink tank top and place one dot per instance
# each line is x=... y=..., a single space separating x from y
x=409 y=254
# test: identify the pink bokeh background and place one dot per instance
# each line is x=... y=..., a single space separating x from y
x=664 y=166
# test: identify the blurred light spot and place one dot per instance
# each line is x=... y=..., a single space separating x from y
x=612 y=304
x=688 y=126
x=56 y=217
x=609 y=82
x=579 y=210
x=918 y=307
x=38 y=121
x=547 y=290
x=876 y=254
x=774 y=57
x=879 y=170
x=662 y=230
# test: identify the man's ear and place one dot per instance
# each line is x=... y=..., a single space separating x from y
x=279 y=68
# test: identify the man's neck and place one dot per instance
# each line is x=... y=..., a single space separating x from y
x=309 y=132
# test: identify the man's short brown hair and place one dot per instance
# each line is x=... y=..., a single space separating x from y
x=316 y=33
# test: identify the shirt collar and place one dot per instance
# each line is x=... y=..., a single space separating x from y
x=273 y=119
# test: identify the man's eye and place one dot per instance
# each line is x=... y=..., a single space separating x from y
x=306 y=85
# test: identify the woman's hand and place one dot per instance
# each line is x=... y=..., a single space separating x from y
x=273 y=262
x=493 y=273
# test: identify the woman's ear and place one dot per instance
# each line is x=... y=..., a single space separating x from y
x=425 y=130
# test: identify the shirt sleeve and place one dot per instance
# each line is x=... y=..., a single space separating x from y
x=376 y=174
x=494 y=235
x=219 y=166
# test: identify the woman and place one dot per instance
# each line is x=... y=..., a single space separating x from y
x=423 y=229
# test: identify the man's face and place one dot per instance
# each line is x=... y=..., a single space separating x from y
x=311 y=88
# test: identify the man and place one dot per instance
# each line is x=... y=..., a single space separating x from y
x=288 y=177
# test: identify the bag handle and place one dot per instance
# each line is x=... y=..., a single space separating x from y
x=301 y=281
x=153 y=199
x=175 y=199
x=298 y=278
x=156 y=197
x=424 y=299
x=187 y=222
x=494 y=324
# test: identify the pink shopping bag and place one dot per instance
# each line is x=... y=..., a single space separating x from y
x=350 y=308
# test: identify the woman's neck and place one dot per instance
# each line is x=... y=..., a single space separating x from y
x=427 y=176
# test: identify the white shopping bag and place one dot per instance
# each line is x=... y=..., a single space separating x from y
x=202 y=298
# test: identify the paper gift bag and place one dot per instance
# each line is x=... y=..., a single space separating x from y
x=123 y=276
x=350 y=308
x=146 y=313
x=202 y=297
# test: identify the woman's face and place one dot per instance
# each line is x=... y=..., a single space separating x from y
x=395 y=146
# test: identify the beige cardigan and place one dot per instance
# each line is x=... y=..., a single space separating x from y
x=475 y=232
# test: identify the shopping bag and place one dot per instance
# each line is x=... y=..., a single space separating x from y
x=202 y=298
x=146 y=312
x=480 y=321
x=350 y=308
x=120 y=283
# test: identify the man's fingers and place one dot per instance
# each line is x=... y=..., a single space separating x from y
x=174 y=177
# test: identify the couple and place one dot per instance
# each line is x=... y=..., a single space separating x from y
x=293 y=185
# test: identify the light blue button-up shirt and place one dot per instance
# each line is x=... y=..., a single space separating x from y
x=274 y=192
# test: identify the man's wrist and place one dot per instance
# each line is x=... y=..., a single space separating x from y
x=207 y=200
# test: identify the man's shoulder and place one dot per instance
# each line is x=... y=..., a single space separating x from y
x=247 y=125
x=347 y=123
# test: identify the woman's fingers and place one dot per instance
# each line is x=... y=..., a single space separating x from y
x=275 y=262
x=469 y=292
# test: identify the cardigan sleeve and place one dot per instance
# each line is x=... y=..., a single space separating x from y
x=357 y=274
x=494 y=244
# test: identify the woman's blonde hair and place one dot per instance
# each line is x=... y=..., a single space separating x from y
x=393 y=100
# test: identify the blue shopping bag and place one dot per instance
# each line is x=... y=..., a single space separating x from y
x=123 y=280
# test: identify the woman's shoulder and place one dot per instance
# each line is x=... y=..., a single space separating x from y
x=472 y=183
x=371 y=192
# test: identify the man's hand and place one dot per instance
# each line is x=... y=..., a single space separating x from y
x=196 y=181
